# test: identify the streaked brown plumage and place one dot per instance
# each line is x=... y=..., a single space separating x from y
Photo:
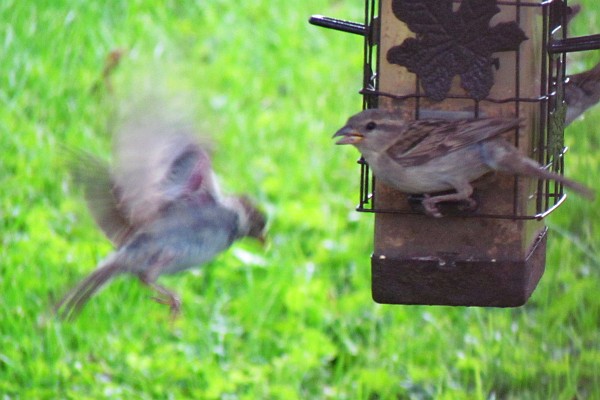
x=428 y=156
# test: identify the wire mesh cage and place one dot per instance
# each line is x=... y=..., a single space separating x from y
x=547 y=144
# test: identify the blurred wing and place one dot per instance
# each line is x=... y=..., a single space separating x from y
x=156 y=163
x=93 y=176
x=424 y=140
x=191 y=173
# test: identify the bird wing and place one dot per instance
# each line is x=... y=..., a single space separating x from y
x=190 y=173
x=158 y=162
x=423 y=140
x=101 y=194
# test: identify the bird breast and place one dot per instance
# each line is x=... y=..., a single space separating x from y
x=442 y=173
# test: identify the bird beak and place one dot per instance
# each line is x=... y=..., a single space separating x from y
x=262 y=239
x=349 y=136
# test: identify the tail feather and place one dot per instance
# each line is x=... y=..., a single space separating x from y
x=70 y=305
x=591 y=75
x=502 y=156
x=535 y=170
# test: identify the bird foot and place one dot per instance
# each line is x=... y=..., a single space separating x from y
x=164 y=295
x=468 y=204
x=172 y=301
x=430 y=206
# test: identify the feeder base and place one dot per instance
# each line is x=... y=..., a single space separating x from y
x=491 y=283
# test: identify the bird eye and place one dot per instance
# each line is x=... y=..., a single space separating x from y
x=371 y=125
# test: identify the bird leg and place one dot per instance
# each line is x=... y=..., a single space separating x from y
x=165 y=296
x=463 y=193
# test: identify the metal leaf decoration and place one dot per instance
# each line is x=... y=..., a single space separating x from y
x=452 y=43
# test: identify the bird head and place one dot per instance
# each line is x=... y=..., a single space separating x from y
x=370 y=129
x=253 y=222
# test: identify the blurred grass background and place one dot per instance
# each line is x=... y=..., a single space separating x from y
x=294 y=320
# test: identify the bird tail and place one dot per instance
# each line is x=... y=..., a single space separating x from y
x=533 y=169
x=583 y=77
x=70 y=305
x=508 y=159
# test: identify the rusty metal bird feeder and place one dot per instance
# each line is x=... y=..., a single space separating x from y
x=469 y=58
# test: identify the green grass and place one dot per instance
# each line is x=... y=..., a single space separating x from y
x=294 y=320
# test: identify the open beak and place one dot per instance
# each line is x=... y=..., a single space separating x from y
x=349 y=136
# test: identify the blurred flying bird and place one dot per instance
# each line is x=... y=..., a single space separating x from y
x=161 y=206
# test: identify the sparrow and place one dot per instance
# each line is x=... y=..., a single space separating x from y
x=433 y=155
x=582 y=91
x=161 y=206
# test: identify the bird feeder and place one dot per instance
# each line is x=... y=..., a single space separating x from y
x=466 y=59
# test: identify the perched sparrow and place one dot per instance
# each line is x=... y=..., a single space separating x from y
x=428 y=156
x=161 y=207
x=582 y=91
